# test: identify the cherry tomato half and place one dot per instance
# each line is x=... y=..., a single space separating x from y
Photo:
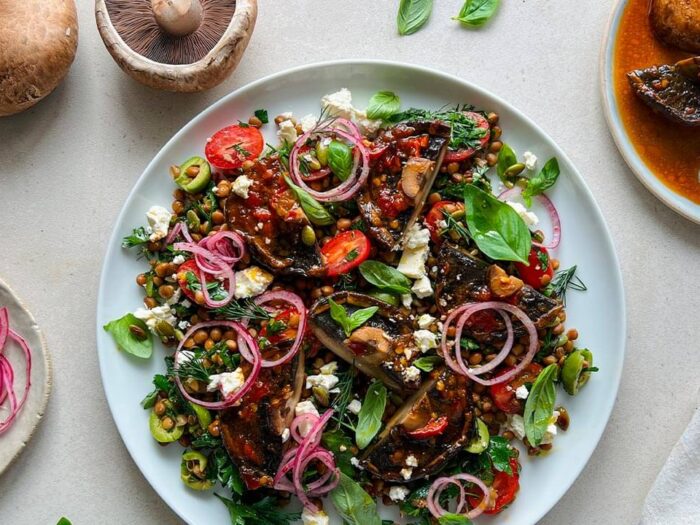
x=282 y=328
x=190 y=266
x=503 y=394
x=437 y=214
x=463 y=154
x=434 y=427
x=540 y=265
x=345 y=251
x=504 y=486
x=229 y=147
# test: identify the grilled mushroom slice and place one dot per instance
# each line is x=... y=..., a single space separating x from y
x=252 y=432
x=463 y=278
x=677 y=23
x=670 y=90
x=430 y=428
x=407 y=158
x=271 y=221
x=382 y=348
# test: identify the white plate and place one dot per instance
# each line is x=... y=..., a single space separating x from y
x=670 y=198
x=598 y=314
x=16 y=438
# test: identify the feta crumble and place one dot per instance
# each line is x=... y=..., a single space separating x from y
x=425 y=340
x=356 y=463
x=422 y=287
x=308 y=122
x=151 y=316
x=241 y=186
x=516 y=424
x=425 y=320
x=159 y=222
x=411 y=374
x=406 y=473
x=306 y=407
x=285 y=435
x=287 y=132
x=529 y=217
x=355 y=406
x=251 y=282
x=228 y=382
x=411 y=461
x=522 y=392
x=398 y=493
x=339 y=104
x=178 y=259
x=530 y=160
x=183 y=357
x=308 y=517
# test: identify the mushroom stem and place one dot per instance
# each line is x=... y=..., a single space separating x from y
x=178 y=17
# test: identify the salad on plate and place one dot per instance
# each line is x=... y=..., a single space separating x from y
x=363 y=310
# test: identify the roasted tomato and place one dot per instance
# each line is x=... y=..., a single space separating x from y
x=503 y=394
x=190 y=266
x=462 y=154
x=229 y=147
x=282 y=328
x=437 y=214
x=344 y=252
x=540 y=265
x=505 y=487
x=435 y=427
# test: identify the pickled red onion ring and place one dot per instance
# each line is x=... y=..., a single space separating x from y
x=551 y=210
x=7 y=374
x=439 y=485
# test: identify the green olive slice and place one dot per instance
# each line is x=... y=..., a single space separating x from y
x=193 y=182
x=161 y=435
x=193 y=471
x=573 y=375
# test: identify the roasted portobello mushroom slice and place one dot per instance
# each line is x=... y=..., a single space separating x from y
x=265 y=212
x=670 y=90
x=252 y=432
x=677 y=23
x=382 y=348
x=422 y=435
x=404 y=162
x=463 y=278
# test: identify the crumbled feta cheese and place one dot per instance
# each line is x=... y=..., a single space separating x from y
x=186 y=303
x=151 y=316
x=339 y=104
x=325 y=381
x=411 y=374
x=408 y=353
x=530 y=160
x=411 y=461
x=412 y=263
x=356 y=463
x=179 y=259
x=228 y=382
x=441 y=224
x=329 y=368
x=407 y=300
x=241 y=186
x=159 y=222
x=287 y=132
x=417 y=237
x=354 y=406
x=522 y=392
x=285 y=435
x=516 y=424
x=287 y=115
x=342 y=448
x=425 y=340
x=183 y=356
x=251 y=282
x=398 y=493
x=406 y=473
x=551 y=431
x=308 y=122
x=309 y=517
x=183 y=325
x=529 y=217
x=425 y=320
x=306 y=407
x=422 y=287
x=175 y=297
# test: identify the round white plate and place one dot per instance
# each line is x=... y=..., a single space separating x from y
x=14 y=440
x=598 y=314
x=670 y=198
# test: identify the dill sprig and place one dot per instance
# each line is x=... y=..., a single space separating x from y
x=344 y=398
x=464 y=134
x=238 y=310
x=456 y=226
x=565 y=280
x=191 y=368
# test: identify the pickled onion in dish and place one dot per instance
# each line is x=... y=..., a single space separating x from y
x=7 y=373
x=440 y=484
x=551 y=210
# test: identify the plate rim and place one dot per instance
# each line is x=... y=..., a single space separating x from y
x=677 y=202
x=113 y=241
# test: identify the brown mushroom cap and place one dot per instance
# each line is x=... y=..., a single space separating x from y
x=195 y=61
x=38 y=41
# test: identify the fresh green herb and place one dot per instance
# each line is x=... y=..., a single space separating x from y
x=465 y=132
x=455 y=225
x=262 y=115
x=131 y=335
x=192 y=368
x=137 y=238
x=539 y=406
x=343 y=398
x=313 y=209
x=263 y=512
x=350 y=322
x=387 y=297
x=353 y=504
x=215 y=288
x=370 y=417
x=543 y=259
x=340 y=159
x=413 y=14
x=239 y=149
x=64 y=521
x=496 y=228
x=385 y=277
x=564 y=280
x=426 y=364
x=359 y=225
x=454 y=519
x=341 y=447
x=275 y=326
x=506 y=159
x=475 y=13
x=501 y=453
x=206 y=440
x=246 y=309
x=352 y=255
x=243 y=124
x=544 y=180
x=224 y=471
x=383 y=105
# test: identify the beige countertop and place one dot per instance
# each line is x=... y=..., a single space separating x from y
x=67 y=165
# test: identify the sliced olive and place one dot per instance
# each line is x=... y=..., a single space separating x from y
x=480 y=441
x=574 y=373
x=161 y=435
x=193 y=471
x=203 y=415
x=194 y=176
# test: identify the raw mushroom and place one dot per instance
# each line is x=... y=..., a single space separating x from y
x=414 y=173
x=177 y=45
x=38 y=40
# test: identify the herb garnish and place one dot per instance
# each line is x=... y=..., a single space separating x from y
x=239 y=149
x=539 y=406
x=247 y=309
x=385 y=277
x=131 y=335
x=313 y=209
x=137 y=238
x=263 y=512
x=465 y=133
x=262 y=115
x=340 y=159
x=413 y=14
x=383 y=105
x=350 y=322
x=564 y=280
x=544 y=180
x=370 y=417
x=354 y=505
x=475 y=13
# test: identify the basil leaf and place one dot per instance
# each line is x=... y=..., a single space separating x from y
x=496 y=228
x=313 y=209
x=353 y=504
x=426 y=364
x=383 y=105
x=64 y=521
x=413 y=14
x=340 y=159
x=385 y=277
x=126 y=340
x=369 y=420
x=454 y=519
x=501 y=453
x=544 y=180
x=335 y=441
x=385 y=296
x=349 y=322
x=506 y=158
x=262 y=115
x=475 y=13
x=539 y=406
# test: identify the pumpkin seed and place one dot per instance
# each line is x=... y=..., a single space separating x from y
x=321 y=395
x=308 y=235
x=514 y=170
x=193 y=221
x=163 y=328
x=137 y=332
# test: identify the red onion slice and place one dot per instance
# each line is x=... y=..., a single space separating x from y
x=551 y=210
x=439 y=486
x=7 y=374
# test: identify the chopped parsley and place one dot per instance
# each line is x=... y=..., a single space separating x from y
x=261 y=114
